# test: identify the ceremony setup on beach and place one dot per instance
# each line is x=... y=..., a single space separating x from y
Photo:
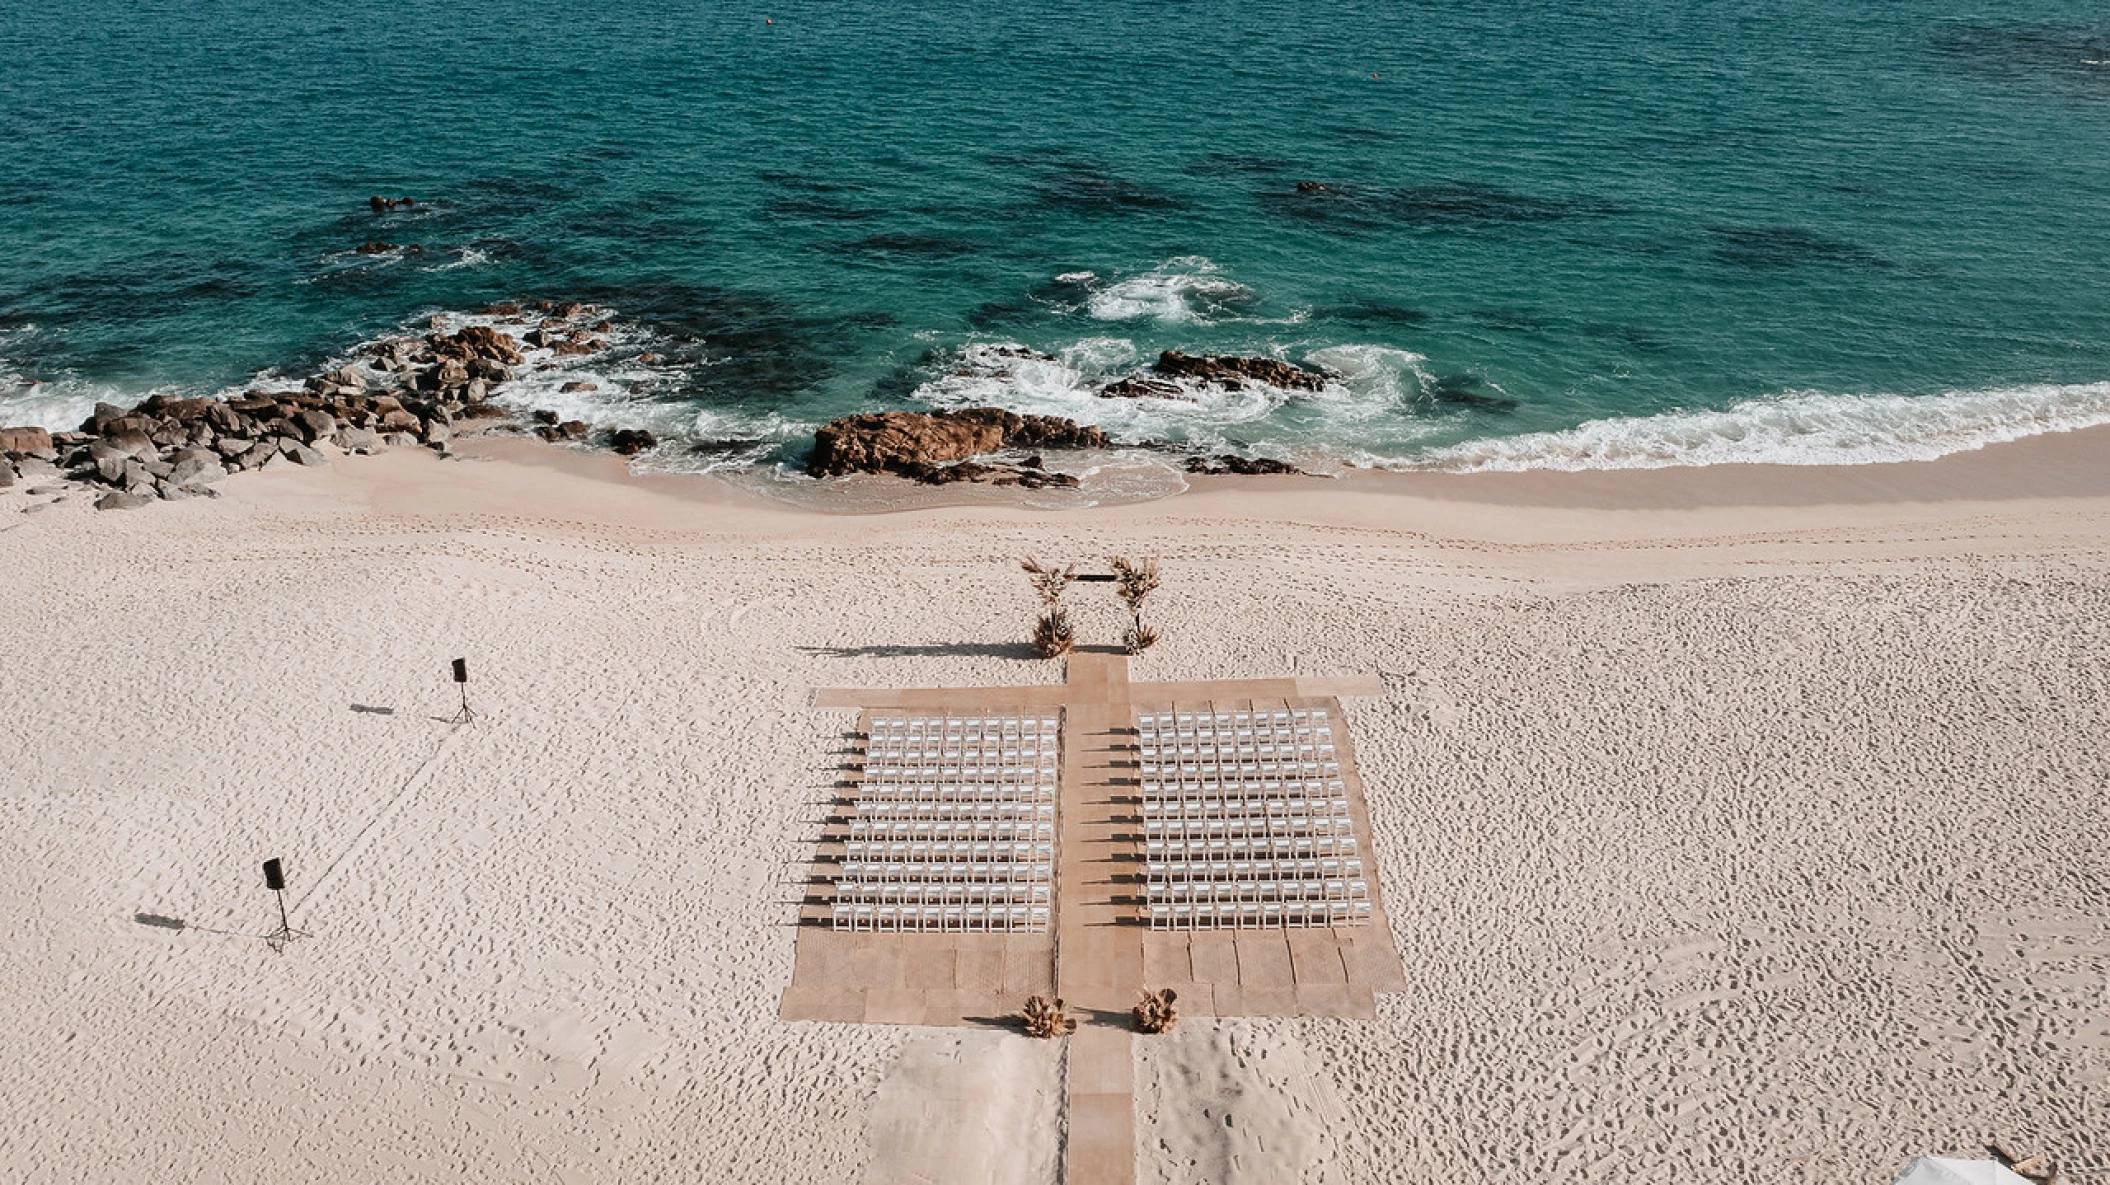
x=1055 y=593
x=1752 y=828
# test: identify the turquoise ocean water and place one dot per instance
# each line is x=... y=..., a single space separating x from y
x=1535 y=234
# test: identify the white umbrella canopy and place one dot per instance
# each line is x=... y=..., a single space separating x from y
x=1938 y=1170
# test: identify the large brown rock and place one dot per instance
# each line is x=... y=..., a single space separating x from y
x=133 y=441
x=103 y=414
x=182 y=411
x=476 y=341
x=908 y=442
x=24 y=440
x=124 y=500
x=314 y=425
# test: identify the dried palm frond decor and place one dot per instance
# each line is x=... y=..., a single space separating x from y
x=1155 y=1013
x=1134 y=584
x=1052 y=634
x=1049 y=582
x=1045 y=1018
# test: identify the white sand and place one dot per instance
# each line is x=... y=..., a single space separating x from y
x=1723 y=843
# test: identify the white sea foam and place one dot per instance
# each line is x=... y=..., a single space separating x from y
x=1372 y=385
x=1369 y=381
x=1184 y=290
x=59 y=402
x=1796 y=429
x=59 y=405
x=470 y=257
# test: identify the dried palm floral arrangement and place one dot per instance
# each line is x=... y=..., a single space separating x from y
x=1134 y=584
x=1053 y=636
x=1045 y=1018
x=1155 y=1013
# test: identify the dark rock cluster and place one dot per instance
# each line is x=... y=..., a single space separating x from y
x=1223 y=370
x=936 y=447
x=1231 y=463
x=408 y=391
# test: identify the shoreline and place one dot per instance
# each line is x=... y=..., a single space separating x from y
x=2047 y=472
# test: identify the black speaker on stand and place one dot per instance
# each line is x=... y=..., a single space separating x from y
x=275 y=880
x=461 y=681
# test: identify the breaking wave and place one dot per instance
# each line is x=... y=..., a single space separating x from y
x=1805 y=428
x=1183 y=291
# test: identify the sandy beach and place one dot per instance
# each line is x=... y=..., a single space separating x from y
x=1745 y=824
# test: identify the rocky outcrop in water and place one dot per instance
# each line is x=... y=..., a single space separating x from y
x=629 y=442
x=1138 y=386
x=1224 y=370
x=936 y=447
x=1230 y=371
x=1229 y=463
x=409 y=391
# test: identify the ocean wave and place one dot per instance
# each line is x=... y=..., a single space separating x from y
x=1185 y=290
x=470 y=257
x=1802 y=428
x=1366 y=400
x=60 y=405
x=58 y=402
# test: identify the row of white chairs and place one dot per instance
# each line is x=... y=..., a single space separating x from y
x=1235 y=755
x=963 y=726
x=1302 y=847
x=958 y=766
x=1041 y=760
x=1223 y=807
x=1243 y=915
x=960 y=792
x=883 y=830
x=979 y=851
x=1197 y=785
x=1281 y=718
x=951 y=872
x=1234 y=891
x=862 y=916
x=1309 y=869
x=954 y=754
x=937 y=776
x=1247 y=771
x=1231 y=716
x=946 y=893
x=1260 y=744
x=1168 y=745
x=1250 y=827
x=1005 y=749
x=1029 y=749
x=935 y=811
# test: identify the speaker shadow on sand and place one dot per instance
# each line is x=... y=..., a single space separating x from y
x=159 y=921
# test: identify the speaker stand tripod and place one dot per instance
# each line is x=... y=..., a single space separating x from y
x=285 y=933
x=465 y=716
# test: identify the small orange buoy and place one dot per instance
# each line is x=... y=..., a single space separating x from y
x=767 y=21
